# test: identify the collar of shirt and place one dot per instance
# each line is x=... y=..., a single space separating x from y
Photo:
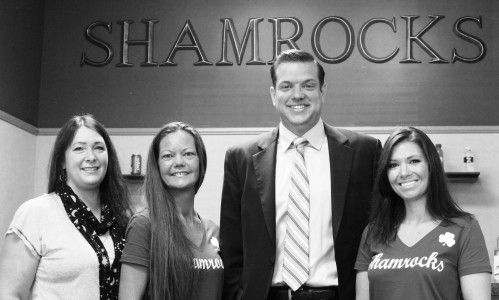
x=315 y=136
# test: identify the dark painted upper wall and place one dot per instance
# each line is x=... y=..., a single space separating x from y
x=360 y=93
x=21 y=36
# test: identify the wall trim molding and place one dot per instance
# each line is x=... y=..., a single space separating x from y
x=258 y=130
x=18 y=123
x=253 y=130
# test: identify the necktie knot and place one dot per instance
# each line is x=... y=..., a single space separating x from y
x=299 y=143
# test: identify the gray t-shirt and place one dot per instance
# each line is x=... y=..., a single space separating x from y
x=206 y=257
x=430 y=269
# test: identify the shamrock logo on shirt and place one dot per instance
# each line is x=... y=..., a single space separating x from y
x=447 y=239
x=214 y=242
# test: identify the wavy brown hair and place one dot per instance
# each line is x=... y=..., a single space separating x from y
x=171 y=275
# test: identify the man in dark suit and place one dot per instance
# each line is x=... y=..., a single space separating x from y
x=254 y=226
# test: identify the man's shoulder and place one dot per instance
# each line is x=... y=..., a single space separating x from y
x=352 y=136
x=255 y=143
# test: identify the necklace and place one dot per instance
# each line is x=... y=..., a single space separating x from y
x=413 y=235
x=411 y=240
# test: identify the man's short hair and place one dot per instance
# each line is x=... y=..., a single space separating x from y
x=296 y=55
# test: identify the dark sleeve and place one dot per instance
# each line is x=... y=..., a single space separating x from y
x=473 y=256
x=364 y=255
x=231 y=243
x=138 y=241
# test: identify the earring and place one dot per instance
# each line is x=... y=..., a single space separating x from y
x=62 y=176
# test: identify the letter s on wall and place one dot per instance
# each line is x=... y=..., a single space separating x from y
x=99 y=43
x=469 y=38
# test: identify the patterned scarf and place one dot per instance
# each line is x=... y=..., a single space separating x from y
x=88 y=225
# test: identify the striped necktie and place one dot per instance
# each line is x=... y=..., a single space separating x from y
x=295 y=267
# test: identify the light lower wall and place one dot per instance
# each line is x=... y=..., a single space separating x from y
x=480 y=198
x=17 y=171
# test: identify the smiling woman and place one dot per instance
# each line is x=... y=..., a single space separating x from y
x=178 y=161
x=408 y=172
x=86 y=193
x=86 y=160
x=419 y=242
x=171 y=252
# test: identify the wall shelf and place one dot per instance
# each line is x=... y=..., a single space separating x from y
x=133 y=178
x=462 y=176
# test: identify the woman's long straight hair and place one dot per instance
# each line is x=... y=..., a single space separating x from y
x=171 y=272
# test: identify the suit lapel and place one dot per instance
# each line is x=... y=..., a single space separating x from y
x=264 y=163
x=340 y=161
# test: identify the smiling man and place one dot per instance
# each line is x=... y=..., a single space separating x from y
x=295 y=200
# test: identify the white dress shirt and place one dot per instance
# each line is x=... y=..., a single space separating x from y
x=322 y=264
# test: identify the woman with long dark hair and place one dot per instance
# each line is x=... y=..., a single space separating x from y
x=419 y=243
x=171 y=252
x=67 y=244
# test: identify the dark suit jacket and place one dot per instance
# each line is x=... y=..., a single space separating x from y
x=247 y=224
